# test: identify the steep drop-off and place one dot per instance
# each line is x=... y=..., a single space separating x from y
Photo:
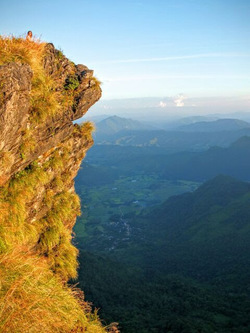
x=41 y=93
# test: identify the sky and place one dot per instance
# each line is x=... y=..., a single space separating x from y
x=181 y=50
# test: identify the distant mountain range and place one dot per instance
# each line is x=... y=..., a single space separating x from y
x=215 y=126
x=192 y=137
x=164 y=108
x=115 y=124
x=188 y=120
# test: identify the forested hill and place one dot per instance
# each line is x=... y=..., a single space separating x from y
x=184 y=267
x=196 y=232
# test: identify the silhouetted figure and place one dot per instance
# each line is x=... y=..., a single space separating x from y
x=29 y=36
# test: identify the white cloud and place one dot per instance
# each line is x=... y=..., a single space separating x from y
x=162 y=104
x=179 y=100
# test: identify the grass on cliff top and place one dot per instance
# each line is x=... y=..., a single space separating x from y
x=21 y=51
x=48 y=96
x=43 y=97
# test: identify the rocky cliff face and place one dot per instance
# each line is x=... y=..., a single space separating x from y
x=16 y=110
x=41 y=93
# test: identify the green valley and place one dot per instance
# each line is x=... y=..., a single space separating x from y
x=107 y=207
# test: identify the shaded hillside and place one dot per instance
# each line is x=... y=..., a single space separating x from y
x=186 y=264
x=202 y=234
x=170 y=303
x=92 y=176
x=41 y=93
x=233 y=161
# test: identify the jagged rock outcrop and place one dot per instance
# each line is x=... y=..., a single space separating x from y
x=15 y=81
x=41 y=93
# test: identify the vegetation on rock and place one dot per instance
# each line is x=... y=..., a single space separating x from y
x=40 y=156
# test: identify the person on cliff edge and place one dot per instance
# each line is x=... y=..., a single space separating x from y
x=29 y=36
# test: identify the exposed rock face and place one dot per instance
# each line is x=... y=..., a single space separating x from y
x=15 y=83
x=15 y=116
x=49 y=148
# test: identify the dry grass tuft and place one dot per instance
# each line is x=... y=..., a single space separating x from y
x=21 y=51
x=86 y=129
x=43 y=97
x=33 y=299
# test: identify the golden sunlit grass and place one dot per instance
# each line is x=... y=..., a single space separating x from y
x=33 y=299
x=37 y=258
x=95 y=82
x=86 y=129
x=50 y=233
x=43 y=97
x=21 y=51
x=55 y=239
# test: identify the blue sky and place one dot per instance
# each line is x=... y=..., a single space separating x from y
x=146 y=48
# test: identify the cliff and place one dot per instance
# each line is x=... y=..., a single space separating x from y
x=41 y=93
